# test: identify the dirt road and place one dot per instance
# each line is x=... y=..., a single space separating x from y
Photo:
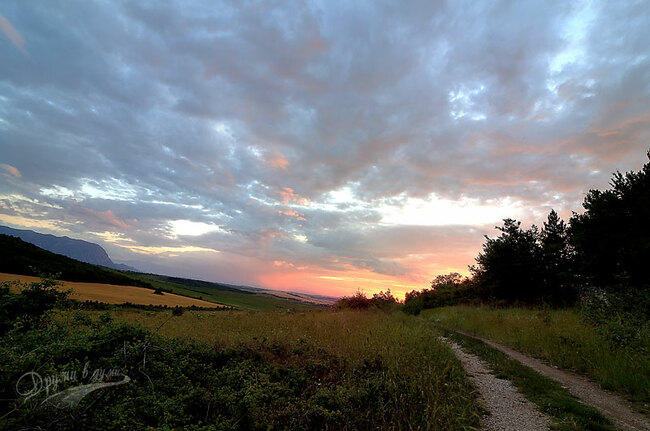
x=508 y=409
x=617 y=409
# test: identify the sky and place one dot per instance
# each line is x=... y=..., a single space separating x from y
x=319 y=147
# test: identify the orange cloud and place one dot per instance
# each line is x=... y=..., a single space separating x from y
x=277 y=160
x=12 y=34
x=8 y=168
x=289 y=196
x=292 y=213
x=267 y=233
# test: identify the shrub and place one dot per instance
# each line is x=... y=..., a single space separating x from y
x=29 y=307
x=359 y=301
x=448 y=289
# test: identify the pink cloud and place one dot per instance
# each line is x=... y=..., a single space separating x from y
x=292 y=213
x=277 y=160
x=8 y=168
x=14 y=36
x=109 y=218
x=289 y=196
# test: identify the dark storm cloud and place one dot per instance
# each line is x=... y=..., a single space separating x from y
x=124 y=116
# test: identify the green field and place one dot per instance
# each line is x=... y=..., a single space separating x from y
x=22 y=258
x=563 y=338
x=222 y=294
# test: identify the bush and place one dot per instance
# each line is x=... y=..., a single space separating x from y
x=28 y=308
x=448 y=289
x=180 y=385
x=359 y=301
x=621 y=313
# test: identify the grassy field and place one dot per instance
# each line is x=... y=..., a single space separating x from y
x=426 y=385
x=114 y=294
x=214 y=292
x=562 y=337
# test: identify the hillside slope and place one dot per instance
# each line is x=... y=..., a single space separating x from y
x=77 y=249
x=20 y=257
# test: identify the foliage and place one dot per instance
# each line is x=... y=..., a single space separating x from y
x=28 y=308
x=622 y=315
x=427 y=386
x=612 y=237
x=605 y=249
x=359 y=301
x=257 y=383
x=447 y=289
x=509 y=268
x=557 y=277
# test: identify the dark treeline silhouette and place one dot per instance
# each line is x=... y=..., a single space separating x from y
x=359 y=301
x=602 y=253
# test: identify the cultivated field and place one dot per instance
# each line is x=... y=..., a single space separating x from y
x=114 y=294
x=250 y=300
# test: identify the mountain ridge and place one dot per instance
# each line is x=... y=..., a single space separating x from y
x=78 y=249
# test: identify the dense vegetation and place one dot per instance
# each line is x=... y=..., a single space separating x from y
x=225 y=370
x=20 y=257
x=601 y=255
x=359 y=301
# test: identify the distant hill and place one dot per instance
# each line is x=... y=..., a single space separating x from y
x=20 y=257
x=22 y=251
x=77 y=249
x=241 y=297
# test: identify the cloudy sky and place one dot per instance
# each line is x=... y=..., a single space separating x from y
x=318 y=147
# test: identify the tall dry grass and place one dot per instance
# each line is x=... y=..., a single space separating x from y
x=430 y=389
x=562 y=337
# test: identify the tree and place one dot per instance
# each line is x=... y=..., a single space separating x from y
x=508 y=268
x=612 y=237
x=446 y=289
x=556 y=261
x=29 y=307
x=446 y=280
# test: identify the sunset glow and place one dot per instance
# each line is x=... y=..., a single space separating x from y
x=319 y=148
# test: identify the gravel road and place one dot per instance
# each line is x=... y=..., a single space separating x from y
x=609 y=404
x=508 y=409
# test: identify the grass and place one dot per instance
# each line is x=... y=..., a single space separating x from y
x=114 y=294
x=561 y=337
x=565 y=410
x=427 y=385
x=214 y=292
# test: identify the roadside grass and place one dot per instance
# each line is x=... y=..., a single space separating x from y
x=566 y=411
x=561 y=337
x=427 y=386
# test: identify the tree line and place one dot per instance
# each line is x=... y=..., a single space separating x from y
x=603 y=252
